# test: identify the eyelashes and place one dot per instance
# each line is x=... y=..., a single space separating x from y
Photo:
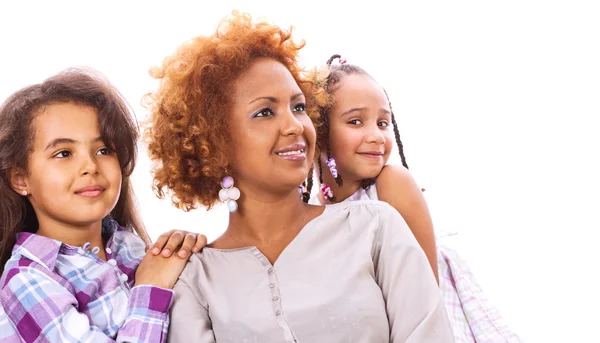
x=269 y=112
x=62 y=154
x=66 y=153
x=302 y=107
x=382 y=123
x=265 y=112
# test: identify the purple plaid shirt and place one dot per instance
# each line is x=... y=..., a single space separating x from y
x=54 y=292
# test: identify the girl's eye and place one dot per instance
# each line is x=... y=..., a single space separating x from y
x=265 y=112
x=300 y=108
x=104 y=151
x=62 y=154
x=355 y=122
x=383 y=124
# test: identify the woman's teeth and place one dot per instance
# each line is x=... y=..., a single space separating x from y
x=294 y=152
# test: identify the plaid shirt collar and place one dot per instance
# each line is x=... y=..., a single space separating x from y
x=45 y=251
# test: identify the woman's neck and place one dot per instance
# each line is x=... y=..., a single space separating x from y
x=258 y=222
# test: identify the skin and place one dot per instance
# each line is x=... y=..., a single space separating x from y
x=70 y=167
x=361 y=140
x=68 y=155
x=267 y=117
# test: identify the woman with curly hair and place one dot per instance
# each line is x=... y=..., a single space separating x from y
x=229 y=124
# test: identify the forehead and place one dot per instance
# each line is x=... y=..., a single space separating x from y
x=66 y=120
x=360 y=89
x=264 y=77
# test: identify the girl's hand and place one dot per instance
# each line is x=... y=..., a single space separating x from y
x=159 y=271
x=177 y=240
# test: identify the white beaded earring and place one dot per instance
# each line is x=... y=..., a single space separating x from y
x=229 y=193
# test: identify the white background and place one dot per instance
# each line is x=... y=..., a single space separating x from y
x=498 y=105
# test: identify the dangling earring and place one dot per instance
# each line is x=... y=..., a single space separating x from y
x=229 y=194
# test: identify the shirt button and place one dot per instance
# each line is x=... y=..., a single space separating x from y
x=124 y=277
x=272 y=285
x=278 y=313
x=108 y=251
x=112 y=262
x=275 y=298
x=270 y=270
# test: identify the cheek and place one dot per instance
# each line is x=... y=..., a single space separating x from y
x=310 y=133
x=390 y=141
x=344 y=140
x=112 y=171
x=250 y=152
x=48 y=177
x=248 y=143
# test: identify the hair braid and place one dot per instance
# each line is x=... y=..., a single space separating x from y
x=397 y=133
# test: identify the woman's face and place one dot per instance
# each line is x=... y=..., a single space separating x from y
x=273 y=139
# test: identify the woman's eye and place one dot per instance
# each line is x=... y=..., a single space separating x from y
x=355 y=122
x=265 y=112
x=300 y=108
x=383 y=124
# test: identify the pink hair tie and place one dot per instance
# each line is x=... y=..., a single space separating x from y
x=342 y=60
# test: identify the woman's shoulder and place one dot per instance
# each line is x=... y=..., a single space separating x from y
x=359 y=206
x=361 y=211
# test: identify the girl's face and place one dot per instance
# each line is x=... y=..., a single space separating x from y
x=360 y=128
x=273 y=139
x=73 y=177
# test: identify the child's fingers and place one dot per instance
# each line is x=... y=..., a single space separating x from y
x=175 y=241
x=188 y=245
x=160 y=242
x=200 y=243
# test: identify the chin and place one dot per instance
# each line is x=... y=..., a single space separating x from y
x=292 y=176
x=370 y=173
x=90 y=218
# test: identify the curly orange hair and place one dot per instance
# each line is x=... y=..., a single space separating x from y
x=188 y=135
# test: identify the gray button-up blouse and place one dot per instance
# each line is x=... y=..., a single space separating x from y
x=354 y=274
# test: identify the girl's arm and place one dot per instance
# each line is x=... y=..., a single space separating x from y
x=396 y=186
x=40 y=305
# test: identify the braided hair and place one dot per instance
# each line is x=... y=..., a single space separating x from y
x=324 y=85
x=307 y=186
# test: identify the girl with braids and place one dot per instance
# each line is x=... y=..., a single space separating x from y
x=229 y=124
x=72 y=246
x=356 y=129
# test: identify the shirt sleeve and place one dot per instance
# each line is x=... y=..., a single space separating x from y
x=43 y=310
x=189 y=314
x=413 y=301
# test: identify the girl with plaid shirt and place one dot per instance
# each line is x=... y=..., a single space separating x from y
x=72 y=247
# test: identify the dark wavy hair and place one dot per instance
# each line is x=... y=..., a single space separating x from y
x=118 y=129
